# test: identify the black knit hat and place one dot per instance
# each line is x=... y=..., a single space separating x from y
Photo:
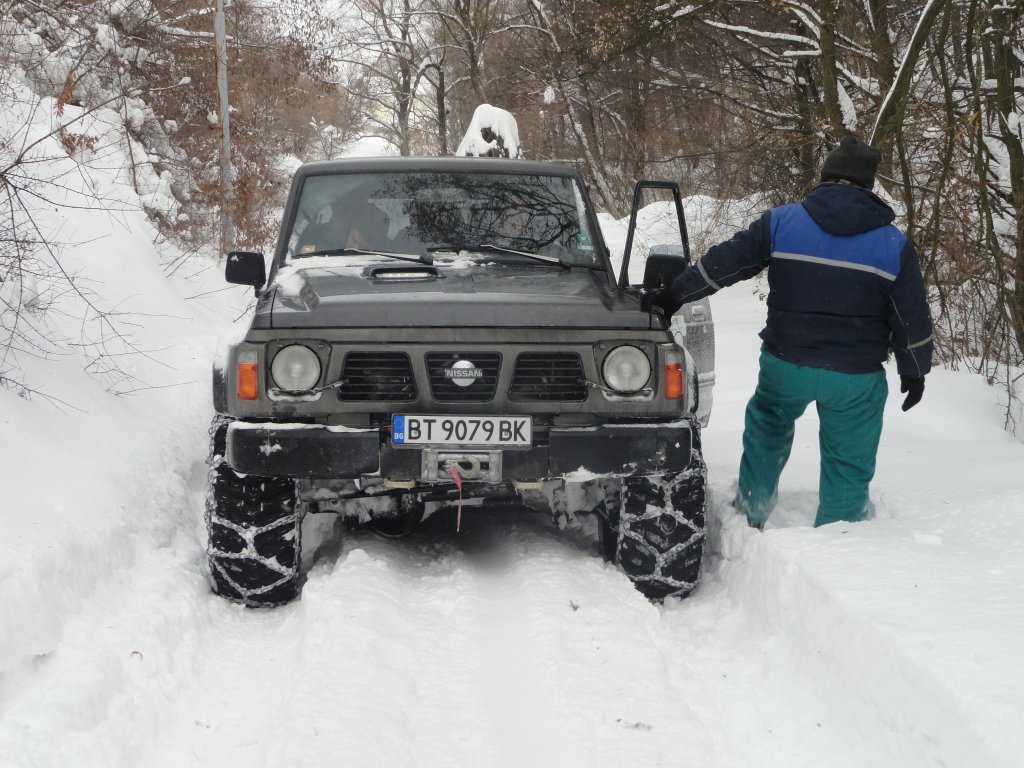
x=852 y=160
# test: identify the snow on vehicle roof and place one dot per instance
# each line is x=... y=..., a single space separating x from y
x=494 y=122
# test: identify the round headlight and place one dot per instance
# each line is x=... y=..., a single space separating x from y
x=295 y=368
x=626 y=369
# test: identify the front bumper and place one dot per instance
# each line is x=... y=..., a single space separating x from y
x=317 y=451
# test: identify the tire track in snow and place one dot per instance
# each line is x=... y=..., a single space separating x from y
x=396 y=634
x=386 y=671
x=469 y=661
x=42 y=593
x=516 y=647
x=103 y=690
x=585 y=662
x=534 y=652
x=106 y=494
x=453 y=652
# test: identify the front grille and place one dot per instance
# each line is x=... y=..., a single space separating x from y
x=480 y=388
x=377 y=376
x=548 y=377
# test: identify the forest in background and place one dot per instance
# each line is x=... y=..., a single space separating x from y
x=731 y=99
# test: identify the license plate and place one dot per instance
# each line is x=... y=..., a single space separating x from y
x=509 y=431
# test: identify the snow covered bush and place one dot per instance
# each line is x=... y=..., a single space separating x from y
x=50 y=307
x=123 y=89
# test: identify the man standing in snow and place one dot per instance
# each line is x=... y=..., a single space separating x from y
x=845 y=287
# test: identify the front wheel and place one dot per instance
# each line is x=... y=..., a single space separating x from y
x=253 y=531
x=656 y=531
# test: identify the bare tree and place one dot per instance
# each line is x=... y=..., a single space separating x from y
x=464 y=33
x=385 y=45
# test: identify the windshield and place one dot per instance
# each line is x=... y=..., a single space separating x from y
x=485 y=215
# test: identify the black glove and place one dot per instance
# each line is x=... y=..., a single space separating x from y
x=914 y=387
x=660 y=297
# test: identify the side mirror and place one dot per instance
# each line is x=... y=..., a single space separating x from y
x=246 y=268
x=664 y=264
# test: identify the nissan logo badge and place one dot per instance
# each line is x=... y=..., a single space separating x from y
x=463 y=373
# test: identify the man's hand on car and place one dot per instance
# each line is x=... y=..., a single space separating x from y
x=660 y=297
x=914 y=387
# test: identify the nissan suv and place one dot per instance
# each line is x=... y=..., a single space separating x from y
x=447 y=333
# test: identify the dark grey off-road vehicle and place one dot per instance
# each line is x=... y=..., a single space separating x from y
x=450 y=332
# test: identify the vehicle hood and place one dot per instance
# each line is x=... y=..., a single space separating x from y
x=477 y=296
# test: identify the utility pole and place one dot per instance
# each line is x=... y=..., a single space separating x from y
x=227 y=231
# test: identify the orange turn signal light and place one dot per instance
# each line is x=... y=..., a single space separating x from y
x=674 y=386
x=248 y=381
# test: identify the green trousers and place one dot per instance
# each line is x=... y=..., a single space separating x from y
x=850 y=411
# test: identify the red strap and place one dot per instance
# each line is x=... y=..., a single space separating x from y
x=454 y=472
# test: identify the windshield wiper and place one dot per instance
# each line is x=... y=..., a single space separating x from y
x=414 y=257
x=492 y=248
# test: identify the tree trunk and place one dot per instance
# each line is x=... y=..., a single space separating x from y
x=884 y=71
x=806 y=106
x=894 y=105
x=829 y=71
x=442 y=114
x=1006 y=69
x=637 y=87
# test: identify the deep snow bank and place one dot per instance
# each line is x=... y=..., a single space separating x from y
x=97 y=457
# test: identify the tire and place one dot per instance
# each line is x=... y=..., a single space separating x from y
x=253 y=531
x=656 y=532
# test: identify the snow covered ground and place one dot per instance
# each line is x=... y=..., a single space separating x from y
x=894 y=642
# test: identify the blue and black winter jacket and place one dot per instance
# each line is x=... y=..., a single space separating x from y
x=845 y=285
